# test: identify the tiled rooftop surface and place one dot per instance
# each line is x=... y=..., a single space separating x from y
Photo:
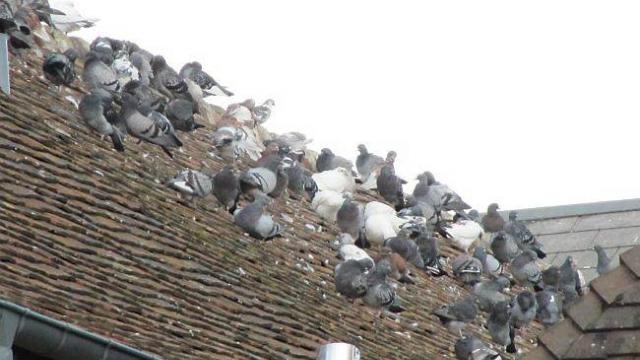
x=92 y=237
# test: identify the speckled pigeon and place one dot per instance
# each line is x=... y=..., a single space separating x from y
x=193 y=183
x=59 y=68
x=456 y=316
x=522 y=235
x=254 y=221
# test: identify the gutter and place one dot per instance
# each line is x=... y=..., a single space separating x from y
x=55 y=339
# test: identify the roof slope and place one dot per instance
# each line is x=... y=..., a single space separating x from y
x=575 y=229
x=92 y=237
x=605 y=323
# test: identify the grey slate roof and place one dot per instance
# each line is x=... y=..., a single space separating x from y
x=575 y=229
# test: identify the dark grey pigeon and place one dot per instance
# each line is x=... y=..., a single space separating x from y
x=380 y=294
x=351 y=278
x=143 y=64
x=103 y=48
x=226 y=188
x=405 y=247
x=438 y=195
x=568 y=282
x=470 y=347
x=389 y=185
x=430 y=253
x=467 y=269
x=154 y=127
x=474 y=215
x=97 y=74
x=525 y=270
x=59 y=68
x=93 y=109
x=180 y=112
x=522 y=235
x=148 y=98
x=193 y=71
x=282 y=182
x=499 y=326
x=366 y=162
x=492 y=221
x=604 y=262
x=490 y=265
x=166 y=80
x=523 y=309
x=254 y=221
x=300 y=180
x=456 y=316
x=327 y=160
x=549 y=307
x=551 y=278
x=491 y=292
x=350 y=218
x=192 y=183
x=504 y=247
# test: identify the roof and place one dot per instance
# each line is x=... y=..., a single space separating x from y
x=575 y=229
x=603 y=324
x=92 y=237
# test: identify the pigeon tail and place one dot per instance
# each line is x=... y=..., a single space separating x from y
x=116 y=138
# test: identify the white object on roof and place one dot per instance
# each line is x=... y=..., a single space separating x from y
x=71 y=20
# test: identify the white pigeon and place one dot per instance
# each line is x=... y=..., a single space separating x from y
x=377 y=207
x=72 y=20
x=464 y=233
x=352 y=252
x=339 y=180
x=327 y=203
x=378 y=228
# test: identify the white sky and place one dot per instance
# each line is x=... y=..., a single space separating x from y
x=523 y=103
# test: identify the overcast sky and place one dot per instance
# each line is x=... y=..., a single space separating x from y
x=523 y=103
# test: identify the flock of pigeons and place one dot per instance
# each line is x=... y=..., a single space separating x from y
x=136 y=93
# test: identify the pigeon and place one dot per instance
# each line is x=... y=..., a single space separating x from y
x=165 y=79
x=349 y=251
x=351 y=278
x=389 y=185
x=463 y=233
x=490 y=265
x=67 y=19
x=367 y=163
x=296 y=141
x=282 y=181
x=551 y=278
x=568 y=282
x=405 y=247
x=327 y=160
x=226 y=188
x=549 y=307
x=438 y=195
x=522 y=235
x=380 y=294
x=154 y=127
x=456 y=316
x=143 y=64
x=232 y=143
x=430 y=253
x=260 y=178
x=504 y=247
x=261 y=113
x=467 y=269
x=124 y=69
x=180 y=113
x=103 y=49
x=474 y=215
x=98 y=74
x=604 y=262
x=492 y=221
x=147 y=97
x=59 y=68
x=300 y=180
x=499 y=326
x=471 y=348
x=525 y=270
x=491 y=292
x=327 y=203
x=339 y=180
x=192 y=183
x=193 y=71
x=350 y=218
x=254 y=221
x=93 y=109
x=523 y=309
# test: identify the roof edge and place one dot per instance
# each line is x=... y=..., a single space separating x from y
x=560 y=211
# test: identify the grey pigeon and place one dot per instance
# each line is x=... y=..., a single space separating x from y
x=471 y=348
x=522 y=235
x=431 y=258
x=504 y=247
x=551 y=278
x=300 y=180
x=525 y=270
x=180 y=112
x=59 y=68
x=491 y=292
x=97 y=74
x=226 y=188
x=192 y=183
x=351 y=278
x=148 y=98
x=492 y=221
x=456 y=316
x=406 y=248
x=380 y=294
x=143 y=64
x=165 y=79
x=490 y=265
x=389 y=185
x=254 y=221
x=193 y=71
x=327 y=160
x=154 y=127
x=568 y=282
x=261 y=178
x=549 y=307
x=499 y=326
x=523 y=309
x=93 y=109
x=103 y=48
x=438 y=195
x=282 y=181
x=350 y=219
x=474 y=215
x=367 y=163
x=604 y=262
x=467 y=269
x=262 y=113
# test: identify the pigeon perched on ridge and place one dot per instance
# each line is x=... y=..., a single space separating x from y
x=148 y=98
x=59 y=68
x=226 y=188
x=327 y=160
x=231 y=143
x=261 y=113
x=492 y=221
x=98 y=74
x=94 y=109
x=438 y=195
x=456 y=316
x=522 y=235
x=193 y=71
x=389 y=185
x=180 y=112
x=470 y=347
x=165 y=79
x=254 y=221
x=367 y=163
x=604 y=262
x=192 y=183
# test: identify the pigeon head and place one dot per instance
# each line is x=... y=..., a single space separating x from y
x=473 y=214
x=359 y=284
x=71 y=54
x=326 y=152
x=383 y=267
x=513 y=215
x=493 y=209
x=503 y=307
x=269 y=103
x=526 y=300
x=158 y=63
x=598 y=249
x=480 y=253
x=391 y=156
x=427 y=177
x=502 y=282
x=287 y=163
x=284 y=150
x=196 y=65
x=362 y=149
